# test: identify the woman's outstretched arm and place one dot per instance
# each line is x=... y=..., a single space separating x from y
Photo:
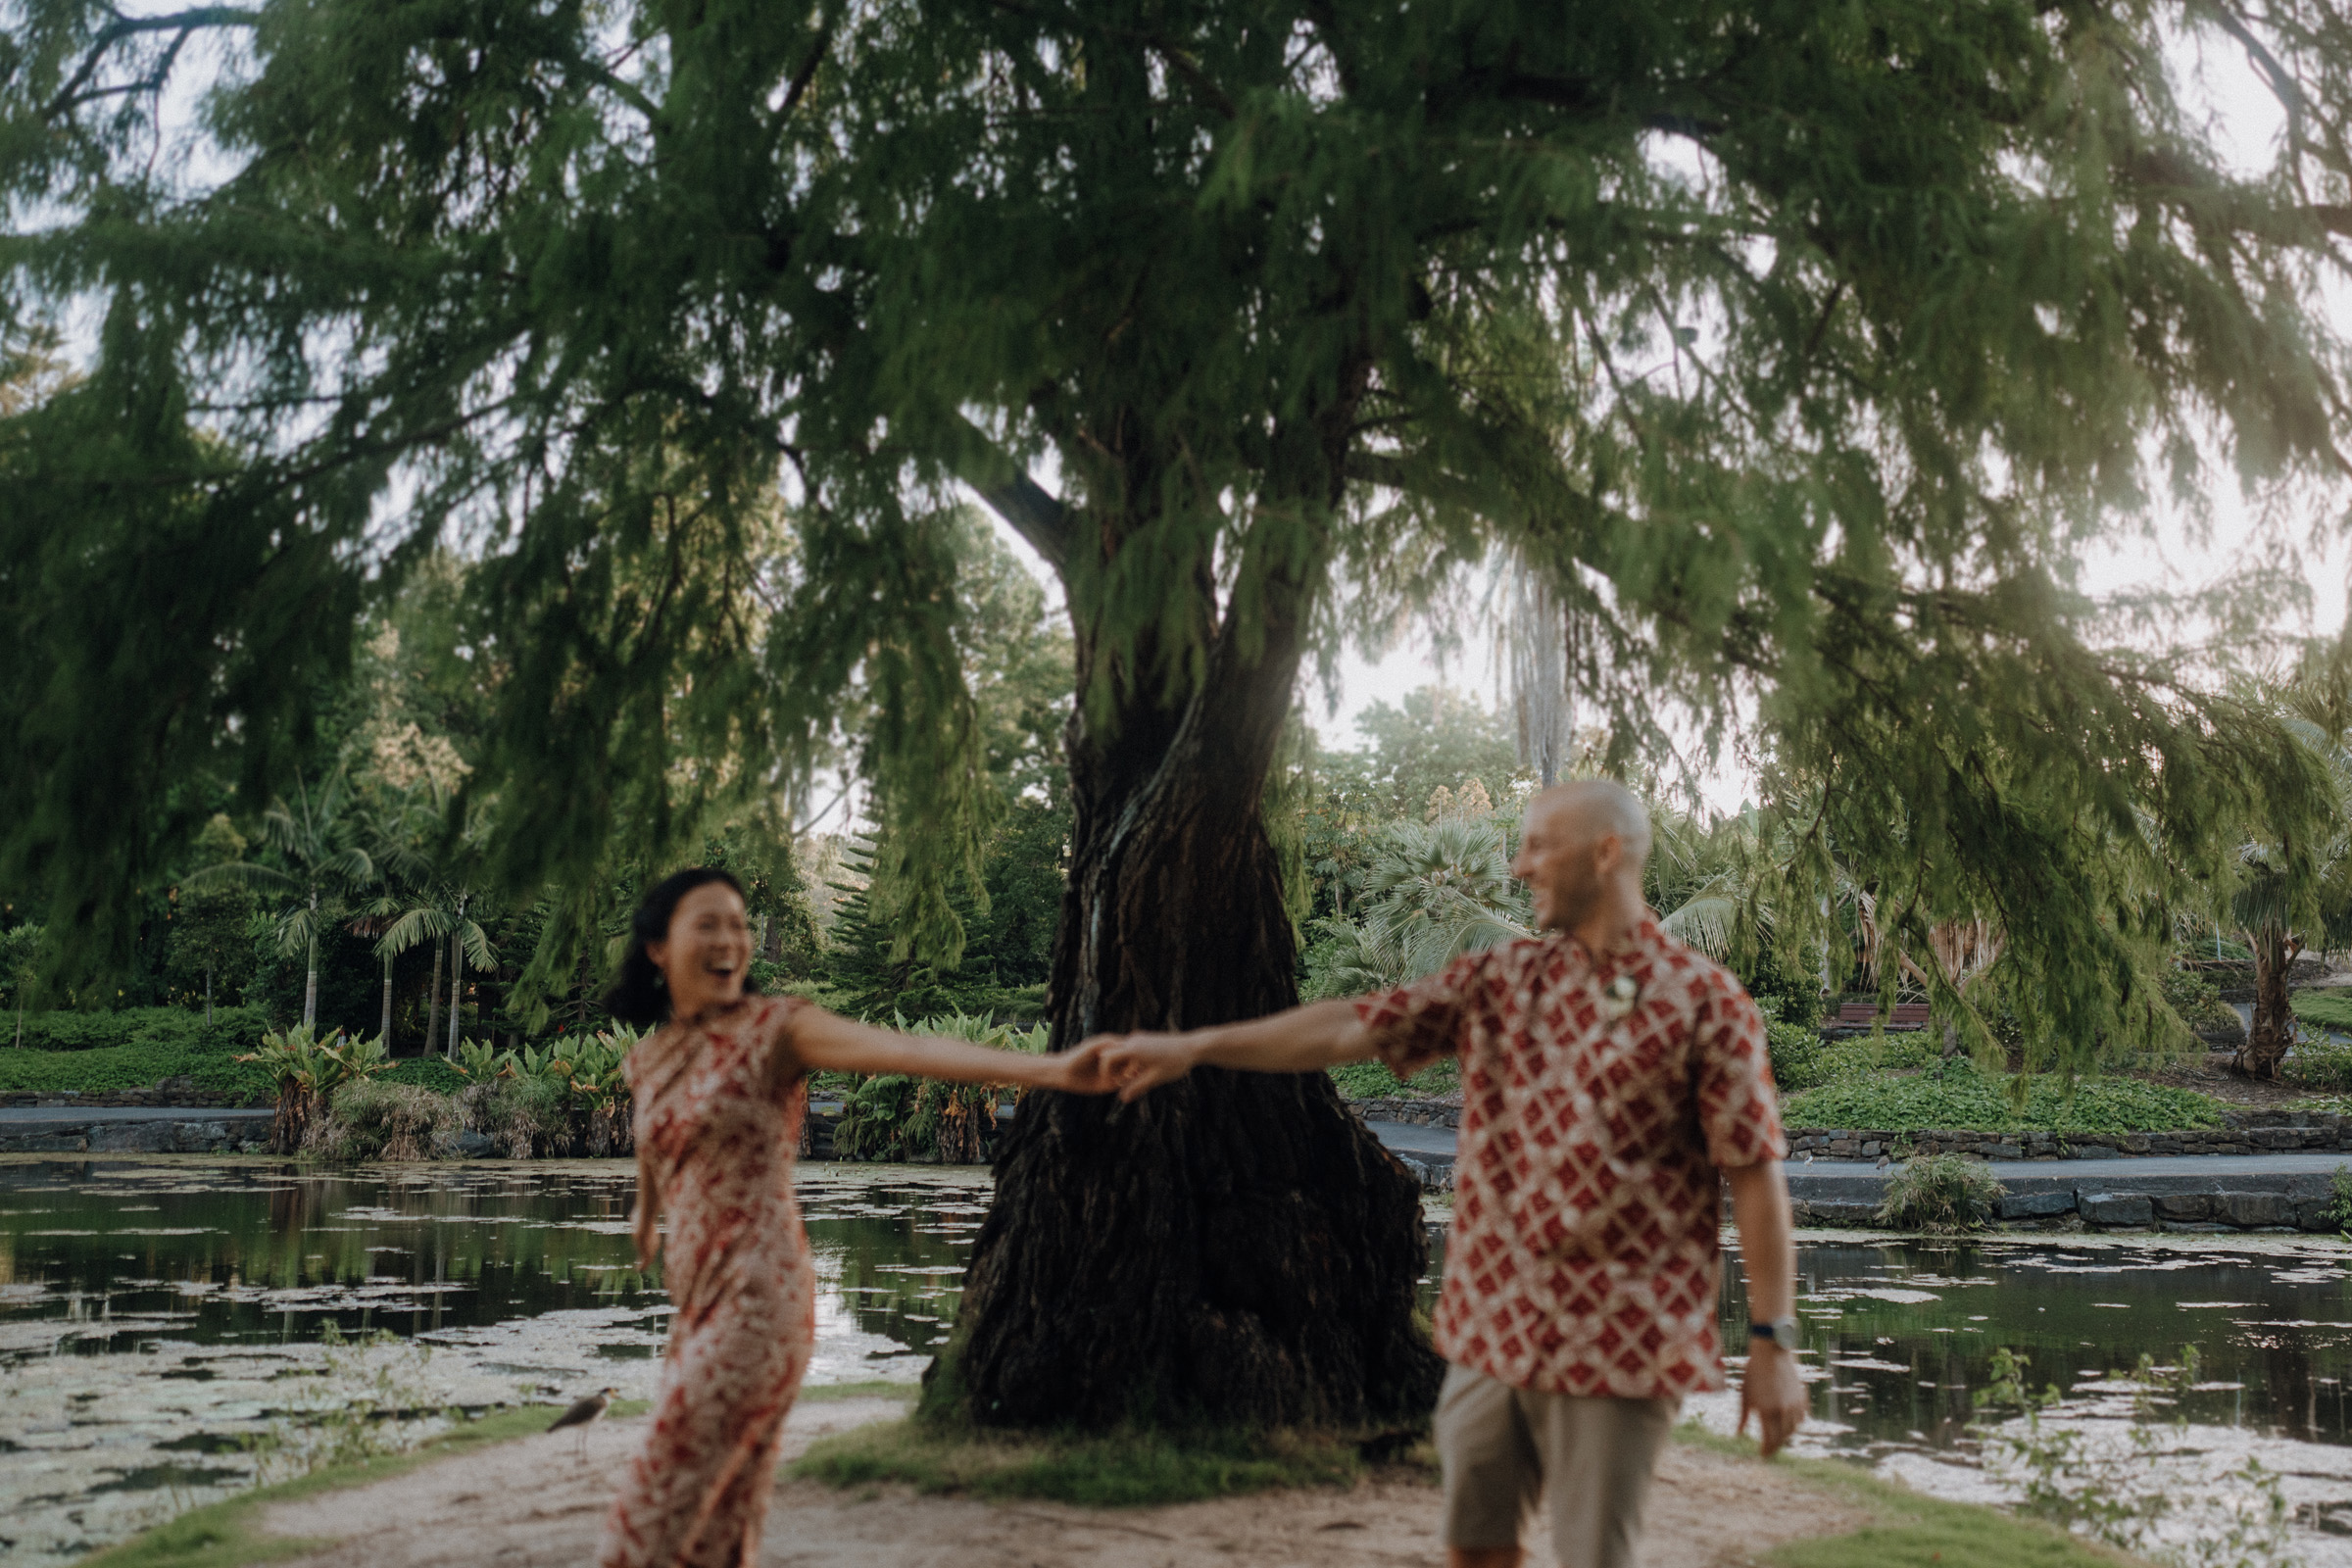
x=829 y=1041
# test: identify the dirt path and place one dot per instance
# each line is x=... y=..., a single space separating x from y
x=537 y=1503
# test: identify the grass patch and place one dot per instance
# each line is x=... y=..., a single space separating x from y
x=835 y=1392
x=2328 y=1010
x=1960 y=1098
x=227 y=1533
x=1128 y=1469
x=1908 y=1530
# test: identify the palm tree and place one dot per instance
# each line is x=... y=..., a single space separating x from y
x=397 y=829
x=439 y=914
x=312 y=836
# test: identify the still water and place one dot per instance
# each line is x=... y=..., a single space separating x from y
x=157 y=1314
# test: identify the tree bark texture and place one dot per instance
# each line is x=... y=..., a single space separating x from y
x=1235 y=1247
x=2274 y=1027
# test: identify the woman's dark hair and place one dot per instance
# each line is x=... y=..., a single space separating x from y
x=639 y=996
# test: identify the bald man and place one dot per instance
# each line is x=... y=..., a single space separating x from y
x=1612 y=1081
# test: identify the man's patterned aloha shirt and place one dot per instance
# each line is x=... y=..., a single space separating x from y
x=1595 y=1116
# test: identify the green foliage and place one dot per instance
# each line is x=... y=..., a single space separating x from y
x=300 y=1063
x=1436 y=738
x=1128 y=1469
x=2321 y=1063
x=1372 y=1079
x=2323 y=1009
x=109 y=1069
x=1942 y=1194
x=891 y=1116
x=1430 y=891
x=1797 y=1057
x=174 y=1029
x=522 y=1115
x=425 y=1072
x=383 y=1119
x=1960 y=1098
x=2339 y=1204
x=1817 y=436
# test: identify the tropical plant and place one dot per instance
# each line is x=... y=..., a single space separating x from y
x=2295 y=890
x=1803 y=349
x=307 y=1071
x=480 y=1061
x=441 y=915
x=312 y=837
x=891 y=1116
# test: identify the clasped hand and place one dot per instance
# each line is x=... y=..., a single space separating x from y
x=1132 y=1064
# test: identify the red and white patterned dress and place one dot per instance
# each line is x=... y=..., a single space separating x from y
x=718 y=1110
x=1583 y=1258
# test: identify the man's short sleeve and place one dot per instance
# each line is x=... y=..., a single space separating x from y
x=1739 y=1110
x=1420 y=1023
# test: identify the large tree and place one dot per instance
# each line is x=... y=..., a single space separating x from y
x=1796 y=346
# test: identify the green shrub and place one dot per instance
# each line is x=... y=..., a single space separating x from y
x=520 y=1115
x=1941 y=1194
x=110 y=1069
x=372 y=1119
x=1958 y=1098
x=1796 y=1057
x=166 y=1028
x=2318 y=1062
x=1372 y=1079
x=427 y=1072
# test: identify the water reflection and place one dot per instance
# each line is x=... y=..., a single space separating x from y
x=151 y=1313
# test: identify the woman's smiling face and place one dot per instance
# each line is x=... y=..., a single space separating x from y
x=703 y=957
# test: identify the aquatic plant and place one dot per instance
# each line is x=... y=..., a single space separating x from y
x=369 y=1119
x=372 y=1398
x=522 y=1115
x=2125 y=1493
x=1941 y=1194
x=305 y=1071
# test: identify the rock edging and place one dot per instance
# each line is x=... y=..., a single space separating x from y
x=2261 y=1131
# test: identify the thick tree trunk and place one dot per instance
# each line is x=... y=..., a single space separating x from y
x=2274 y=1027
x=1233 y=1248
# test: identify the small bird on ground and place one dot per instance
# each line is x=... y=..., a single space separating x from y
x=583 y=1412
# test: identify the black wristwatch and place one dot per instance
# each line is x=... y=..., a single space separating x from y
x=1780 y=1331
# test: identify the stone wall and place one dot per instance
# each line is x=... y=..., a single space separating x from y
x=171 y=1092
x=1412 y=1112
x=2261 y=1132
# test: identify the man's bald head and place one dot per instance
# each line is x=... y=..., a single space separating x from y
x=1588 y=809
x=1582 y=847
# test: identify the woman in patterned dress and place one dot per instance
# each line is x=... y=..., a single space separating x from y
x=720 y=1089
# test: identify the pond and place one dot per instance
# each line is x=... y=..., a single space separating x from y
x=158 y=1316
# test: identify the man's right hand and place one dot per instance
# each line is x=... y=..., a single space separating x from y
x=1142 y=1062
x=1773 y=1390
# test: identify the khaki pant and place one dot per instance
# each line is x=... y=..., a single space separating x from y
x=1504 y=1447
